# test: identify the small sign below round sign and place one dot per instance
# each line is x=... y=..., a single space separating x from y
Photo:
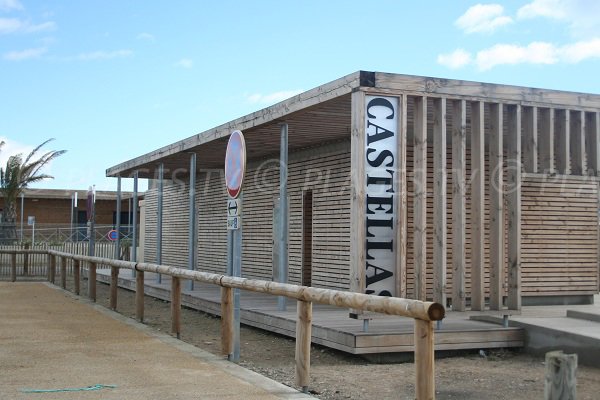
x=235 y=164
x=112 y=235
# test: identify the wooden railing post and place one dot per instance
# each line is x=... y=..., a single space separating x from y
x=303 y=339
x=226 y=321
x=114 y=287
x=176 y=306
x=92 y=282
x=424 y=360
x=13 y=267
x=52 y=268
x=76 y=276
x=139 y=296
x=63 y=272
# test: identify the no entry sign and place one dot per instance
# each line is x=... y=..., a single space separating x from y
x=235 y=164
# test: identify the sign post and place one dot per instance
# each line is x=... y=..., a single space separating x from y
x=235 y=167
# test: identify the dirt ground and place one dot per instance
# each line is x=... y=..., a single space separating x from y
x=497 y=374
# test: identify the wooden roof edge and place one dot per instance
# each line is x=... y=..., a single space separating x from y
x=32 y=193
x=279 y=111
x=484 y=91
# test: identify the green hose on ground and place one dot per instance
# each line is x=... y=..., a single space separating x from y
x=84 y=389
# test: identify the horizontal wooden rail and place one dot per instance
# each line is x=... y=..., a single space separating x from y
x=423 y=312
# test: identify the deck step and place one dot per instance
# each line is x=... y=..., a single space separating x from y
x=588 y=316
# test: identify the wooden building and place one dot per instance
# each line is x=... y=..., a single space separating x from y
x=471 y=194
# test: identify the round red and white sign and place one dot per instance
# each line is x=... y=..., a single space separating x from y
x=235 y=164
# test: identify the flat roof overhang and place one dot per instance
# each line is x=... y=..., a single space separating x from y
x=323 y=114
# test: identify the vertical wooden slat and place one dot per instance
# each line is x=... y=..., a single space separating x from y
x=424 y=360
x=227 y=331
x=546 y=140
x=477 y=205
x=562 y=154
x=459 y=167
x=513 y=203
x=303 y=339
x=13 y=267
x=496 y=206
x=420 y=197
x=592 y=142
x=577 y=142
x=63 y=272
x=77 y=276
x=401 y=221
x=114 y=287
x=92 y=281
x=139 y=296
x=530 y=139
x=52 y=268
x=439 y=201
x=357 y=202
x=26 y=262
x=176 y=306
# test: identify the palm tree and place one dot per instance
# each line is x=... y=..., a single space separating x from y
x=17 y=176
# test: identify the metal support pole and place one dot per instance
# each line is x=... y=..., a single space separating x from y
x=192 y=236
x=134 y=222
x=72 y=206
x=118 y=222
x=234 y=268
x=159 y=219
x=92 y=238
x=283 y=217
x=22 y=213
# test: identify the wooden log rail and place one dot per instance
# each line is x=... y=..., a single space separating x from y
x=424 y=313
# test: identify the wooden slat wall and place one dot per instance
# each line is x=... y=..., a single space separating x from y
x=325 y=171
x=560 y=235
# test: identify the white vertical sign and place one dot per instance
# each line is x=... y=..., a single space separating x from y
x=381 y=168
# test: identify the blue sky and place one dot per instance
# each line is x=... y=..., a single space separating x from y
x=111 y=80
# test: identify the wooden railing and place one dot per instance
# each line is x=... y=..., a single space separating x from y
x=423 y=313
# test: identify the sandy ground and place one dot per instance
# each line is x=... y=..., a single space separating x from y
x=335 y=375
x=49 y=341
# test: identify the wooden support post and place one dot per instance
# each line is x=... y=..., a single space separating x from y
x=303 y=339
x=176 y=306
x=63 y=272
x=357 y=196
x=424 y=360
x=592 y=142
x=420 y=197
x=562 y=143
x=26 y=262
x=530 y=140
x=513 y=203
x=477 y=205
x=496 y=207
x=77 y=276
x=114 y=287
x=227 y=331
x=546 y=140
x=561 y=380
x=459 y=167
x=401 y=221
x=577 y=142
x=439 y=201
x=92 y=281
x=139 y=296
x=52 y=268
x=13 y=267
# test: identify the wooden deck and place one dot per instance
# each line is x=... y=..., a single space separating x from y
x=332 y=327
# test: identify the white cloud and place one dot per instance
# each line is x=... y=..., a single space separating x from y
x=272 y=98
x=185 y=63
x=12 y=148
x=457 y=59
x=9 y=5
x=145 y=36
x=581 y=15
x=483 y=18
x=537 y=53
x=26 y=54
x=104 y=55
x=15 y=25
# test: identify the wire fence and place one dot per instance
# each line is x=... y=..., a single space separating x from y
x=60 y=233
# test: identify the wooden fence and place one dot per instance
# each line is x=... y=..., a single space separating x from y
x=423 y=313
